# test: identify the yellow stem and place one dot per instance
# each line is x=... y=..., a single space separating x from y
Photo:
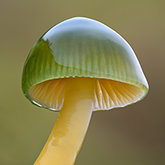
x=70 y=128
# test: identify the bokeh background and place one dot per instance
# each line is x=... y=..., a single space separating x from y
x=134 y=135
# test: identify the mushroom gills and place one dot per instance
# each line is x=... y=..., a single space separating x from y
x=49 y=94
x=108 y=94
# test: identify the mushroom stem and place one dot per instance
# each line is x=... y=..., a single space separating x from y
x=70 y=128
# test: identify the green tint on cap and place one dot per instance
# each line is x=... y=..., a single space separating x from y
x=82 y=47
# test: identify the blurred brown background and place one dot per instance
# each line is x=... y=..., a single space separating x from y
x=133 y=135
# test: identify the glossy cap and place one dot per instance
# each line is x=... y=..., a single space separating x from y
x=82 y=47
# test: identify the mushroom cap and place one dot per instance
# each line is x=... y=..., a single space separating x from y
x=82 y=47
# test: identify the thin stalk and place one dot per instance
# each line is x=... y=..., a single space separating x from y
x=70 y=128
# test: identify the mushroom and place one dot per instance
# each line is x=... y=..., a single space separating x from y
x=77 y=67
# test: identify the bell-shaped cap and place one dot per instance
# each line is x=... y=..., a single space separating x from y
x=82 y=47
